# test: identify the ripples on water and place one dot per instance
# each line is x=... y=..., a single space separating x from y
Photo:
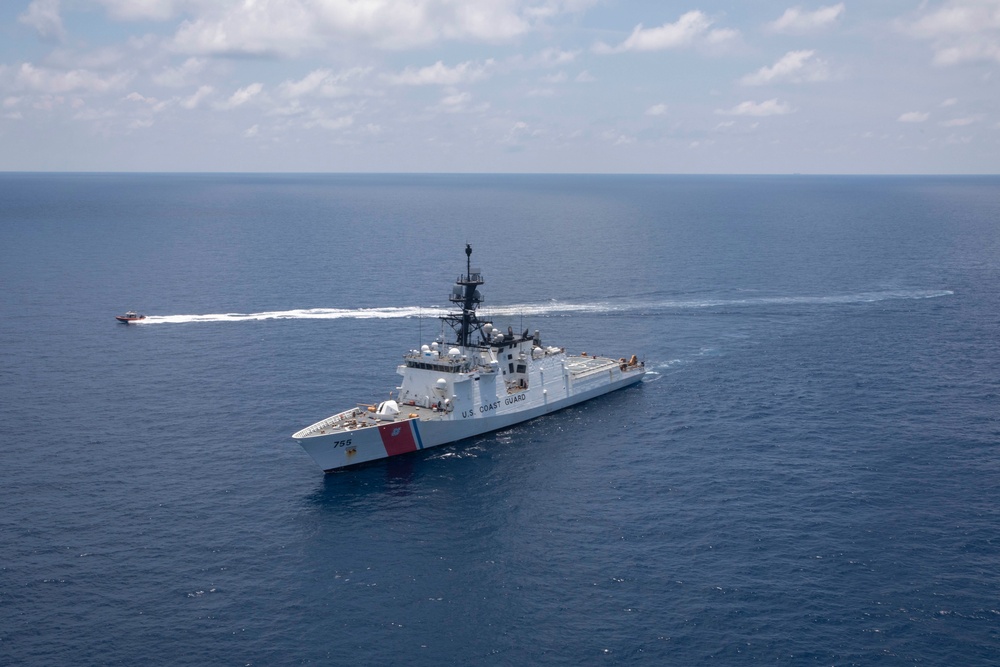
x=807 y=476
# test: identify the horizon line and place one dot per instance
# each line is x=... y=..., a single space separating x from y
x=499 y=173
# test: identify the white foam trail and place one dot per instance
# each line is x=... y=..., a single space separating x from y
x=550 y=308
x=300 y=314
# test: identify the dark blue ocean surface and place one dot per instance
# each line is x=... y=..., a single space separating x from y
x=809 y=475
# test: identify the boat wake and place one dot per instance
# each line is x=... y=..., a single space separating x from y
x=554 y=308
x=299 y=314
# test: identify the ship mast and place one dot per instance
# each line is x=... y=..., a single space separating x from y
x=465 y=292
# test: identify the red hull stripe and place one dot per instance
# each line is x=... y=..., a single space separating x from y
x=398 y=438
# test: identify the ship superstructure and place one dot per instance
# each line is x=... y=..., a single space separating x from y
x=484 y=380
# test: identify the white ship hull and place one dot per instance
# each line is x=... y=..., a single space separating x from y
x=487 y=381
x=333 y=447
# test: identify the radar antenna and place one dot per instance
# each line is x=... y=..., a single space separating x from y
x=465 y=292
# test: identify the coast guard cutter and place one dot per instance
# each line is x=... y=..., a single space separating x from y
x=484 y=380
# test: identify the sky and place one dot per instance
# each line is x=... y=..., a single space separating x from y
x=501 y=86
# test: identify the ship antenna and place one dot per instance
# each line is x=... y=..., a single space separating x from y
x=465 y=295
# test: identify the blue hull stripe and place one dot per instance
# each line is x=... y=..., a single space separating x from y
x=416 y=433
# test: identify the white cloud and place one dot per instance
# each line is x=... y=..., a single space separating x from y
x=48 y=102
x=92 y=114
x=308 y=84
x=293 y=108
x=585 y=77
x=656 y=110
x=264 y=28
x=321 y=120
x=793 y=67
x=251 y=131
x=175 y=77
x=950 y=102
x=137 y=10
x=960 y=31
x=518 y=130
x=552 y=58
x=958 y=17
x=195 y=100
x=290 y=27
x=407 y=23
x=670 y=35
x=975 y=49
x=106 y=59
x=10 y=105
x=241 y=96
x=43 y=16
x=440 y=74
x=690 y=29
x=721 y=36
x=770 y=107
x=797 y=20
x=616 y=138
x=913 y=117
x=545 y=59
x=323 y=83
x=456 y=100
x=44 y=80
x=549 y=8
x=961 y=122
x=955 y=140
x=152 y=103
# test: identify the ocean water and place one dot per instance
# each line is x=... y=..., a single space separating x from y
x=809 y=474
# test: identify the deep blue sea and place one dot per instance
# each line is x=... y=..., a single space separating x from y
x=809 y=475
